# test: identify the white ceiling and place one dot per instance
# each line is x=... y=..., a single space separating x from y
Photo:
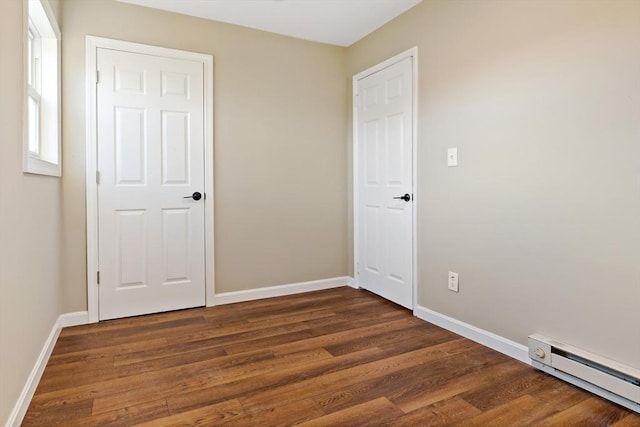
x=337 y=22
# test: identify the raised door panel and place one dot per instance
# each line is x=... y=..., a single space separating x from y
x=176 y=237
x=130 y=146
x=131 y=247
x=395 y=159
x=371 y=239
x=176 y=155
x=371 y=149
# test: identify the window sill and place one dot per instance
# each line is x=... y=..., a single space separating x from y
x=36 y=166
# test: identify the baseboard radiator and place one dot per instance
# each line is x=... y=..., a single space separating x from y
x=599 y=375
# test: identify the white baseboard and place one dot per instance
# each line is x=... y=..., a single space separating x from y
x=21 y=406
x=488 y=339
x=278 y=291
x=352 y=283
x=73 y=319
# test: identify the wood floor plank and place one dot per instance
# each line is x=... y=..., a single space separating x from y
x=340 y=357
x=509 y=388
x=560 y=394
x=364 y=315
x=376 y=340
x=75 y=374
x=61 y=415
x=261 y=309
x=220 y=413
x=269 y=342
x=374 y=412
x=214 y=328
x=210 y=337
x=126 y=416
x=104 y=369
x=87 y=352
x=591 y=412
x=135 y=321
x=435 y=374
x=520 y=412
x=631 y=420
x=259 y=383
x=336 y=380
x=422 y=393
x=427 y=338
x=99 y=339
x=444 y=413
x=287 y=414
x=153 y=384
x=219 y=378
x=344 y=336
x=284 y=318
x=165 y=357
x=370 y=389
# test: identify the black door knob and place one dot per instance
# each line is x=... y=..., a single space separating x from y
x=406 y=197
x=194 y=196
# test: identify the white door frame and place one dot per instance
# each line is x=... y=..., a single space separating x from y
x=92 y=44
x=413 y=54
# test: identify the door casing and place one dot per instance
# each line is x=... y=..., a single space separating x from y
x=413 y=54
x=92 y=44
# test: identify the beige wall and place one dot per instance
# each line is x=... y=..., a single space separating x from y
x=29 y=229
x=542 y=217
x=280 y=147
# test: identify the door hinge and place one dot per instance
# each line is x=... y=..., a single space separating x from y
x=97 y=177
x=97 y=76
x=98 y=277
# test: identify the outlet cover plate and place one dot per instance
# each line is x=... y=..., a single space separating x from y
x=453 y=282
x=452 y=157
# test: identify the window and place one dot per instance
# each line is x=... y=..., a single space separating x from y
x=42 y=95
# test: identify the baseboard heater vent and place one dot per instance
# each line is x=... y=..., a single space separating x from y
x=599 y=375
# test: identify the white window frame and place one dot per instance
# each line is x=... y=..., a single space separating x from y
x=42 y=152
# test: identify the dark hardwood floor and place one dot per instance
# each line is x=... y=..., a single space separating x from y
x=340 y=357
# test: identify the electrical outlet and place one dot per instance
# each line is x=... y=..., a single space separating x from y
x=453 y=281
x=452 y=157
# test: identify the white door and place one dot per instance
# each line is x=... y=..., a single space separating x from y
x=150 y=135
x=385 y=183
